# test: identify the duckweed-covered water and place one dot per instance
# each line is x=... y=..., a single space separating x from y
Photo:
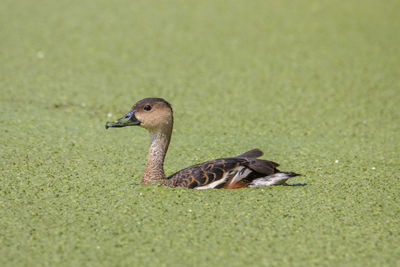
x=315 y=84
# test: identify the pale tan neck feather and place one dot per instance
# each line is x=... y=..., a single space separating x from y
x=159 y=142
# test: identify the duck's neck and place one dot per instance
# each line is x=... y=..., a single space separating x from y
x=159 y=142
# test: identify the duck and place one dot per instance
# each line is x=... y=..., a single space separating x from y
x=245 y=170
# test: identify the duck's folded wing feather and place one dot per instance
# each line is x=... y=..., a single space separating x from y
x=254 y=153
x=262 y=166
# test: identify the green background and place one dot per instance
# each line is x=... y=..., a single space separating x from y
x=315 y=84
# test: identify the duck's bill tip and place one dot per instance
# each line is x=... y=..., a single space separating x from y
x=120 y=124
x=117 y=124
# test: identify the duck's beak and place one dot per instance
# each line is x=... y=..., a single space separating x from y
x=128 y=119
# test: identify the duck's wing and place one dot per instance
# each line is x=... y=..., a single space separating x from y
x=223 y=173
x=254 y=153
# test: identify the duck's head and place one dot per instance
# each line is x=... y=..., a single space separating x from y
x=153 y=114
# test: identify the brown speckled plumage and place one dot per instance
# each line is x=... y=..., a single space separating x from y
x=210 y=171
x=245 y=170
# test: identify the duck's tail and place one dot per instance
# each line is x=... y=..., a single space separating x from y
x=273 y=179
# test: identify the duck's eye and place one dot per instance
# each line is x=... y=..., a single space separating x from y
x=147 y=108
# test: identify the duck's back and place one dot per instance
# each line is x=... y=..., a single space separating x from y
x=242 y=171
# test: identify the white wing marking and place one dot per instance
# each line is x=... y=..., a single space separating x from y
x=239 y=173
x=242 y=172
x=218 y=182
